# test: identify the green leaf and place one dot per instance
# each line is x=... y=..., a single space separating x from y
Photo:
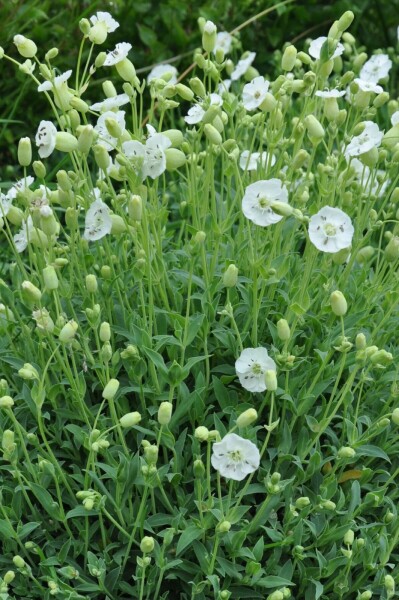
x=6 y=530
x=192 y=532
x=274 y=581
x=370 y=450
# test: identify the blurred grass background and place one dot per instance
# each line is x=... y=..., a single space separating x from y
x=159 y=31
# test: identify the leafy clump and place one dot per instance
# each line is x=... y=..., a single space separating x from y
x=198 y=317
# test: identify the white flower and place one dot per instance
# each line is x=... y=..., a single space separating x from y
x=22 y=237
x=376 y=68
x=45 y=138
x=223 y=41
x=235 y=457
x=160 y=70
x=103 y=134
x=224 y=86
x=368 y=86
x=255 y=92
x=258 y=201
x=98 y=221
x=242 y=66
x=107 y=19
x=154 y=156
x=119 y=53
x=56 y=84
x=148 y=159
x=370 y=138
x=369 y=180
x=196 y=112
x=250 y=161
x=251 y=367
x=5 y=204
x=43 y=320
x=395 y=118
x=20 y=186
x=109 y=104
x=330 y=230
x=316 y=45
x=330 y=93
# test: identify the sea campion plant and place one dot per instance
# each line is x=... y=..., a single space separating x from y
x=199 y=391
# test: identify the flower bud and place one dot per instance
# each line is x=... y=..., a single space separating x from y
x=65 y=142
x=105 y=332
x=174 y=159
x=101 y=156
x=230 y=276
x=349 y=537
x=18 y=561
x=360 y=341
x=135 y=208
x=389 y=583
x=395 y=416
x=165 y=413
x=289 y=58
x=247 y=417
x=9 y=577
x=345 y=21
x=328 y=505
x=212 y=134
x=271 y=380
x=381 y=357
x=184 y=92
x=209 y=35
x=202 y=433
x=346 y=452
x=223 y=527
x=277 y=595
x=50 y=278
x=68 y=332
x=126 y=70
x=366 y=595
x=91 y=284
x=39 y=169
x=283 y=330
x=391 y=252
x=338 y=303
x=85 y=139
x=6 y=402
x=147 y=544
x=24 y=152
x=302 y=502
x=198 y=87
x=31 y=292
x=28 y=372
x=130 y=419
x=25 y=47
x=110 y=389
x=315 y=130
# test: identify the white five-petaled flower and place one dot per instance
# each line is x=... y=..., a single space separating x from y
x=255 y=92
x=161 y=70
x=56 y=83
x=149 y=159
x=326 y=94
x=98 y=221
x=316 y=45
x=250 y=161
x=331 y=230
x=370 y=138
x=103 y=134
x=251 y=367
x=376 y=68
x=106 y=19
x=21 y=238
x=118 y=54
x=257 y=204
x=45 y=138
x=20 y=186
x=370 y=180
x=368 y=86
x=235 y=457
x=223 y=41
x=242 y=66
x=196 y=113
x=110 y=103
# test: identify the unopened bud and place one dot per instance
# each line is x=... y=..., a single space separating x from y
x=27 y=48
x=289 y=58
x=271 y=380
x=50 y=278
x=147 y=545
x=346 y=452
x=91 y=284
x=110 y=389
x=68 y=332
x=202 y=433
x=338 y=303
x=209 y=35
x=130 y=419
x=165 y=413
x=230 y=276
x=283 y=330
x=24 y=152
x=246 y=418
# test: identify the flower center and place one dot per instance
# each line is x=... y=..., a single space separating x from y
x=257 y=369
x=329 y=229
x=235 y=455
x=257 y=94
x=264 y=202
